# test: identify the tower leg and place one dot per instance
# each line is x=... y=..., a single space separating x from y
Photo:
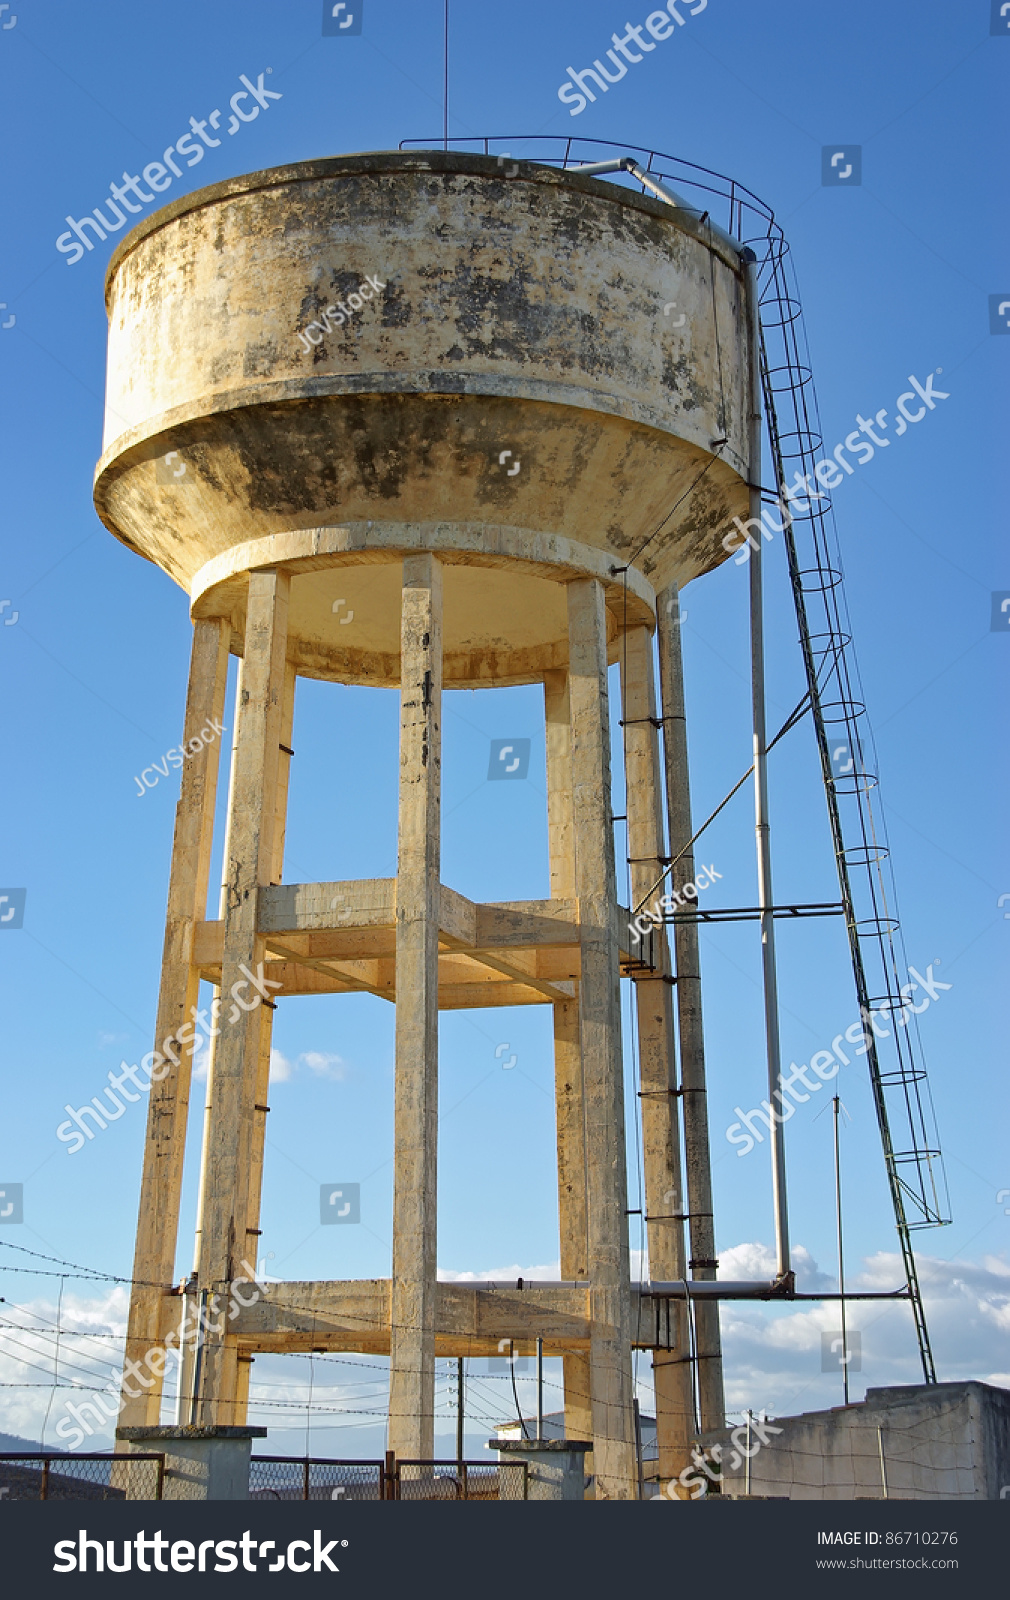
x=412 y=1335
x=161 y=1183
x=266 y=1030
x=225 y=1239
x=572 y=1204
x=675 y=1426
x=571 y=1142
x=692 y=1039
x=600 y=1027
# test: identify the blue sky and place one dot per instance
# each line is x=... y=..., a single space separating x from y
x=895 y=276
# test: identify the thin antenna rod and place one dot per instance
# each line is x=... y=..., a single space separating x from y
x=837 y=1106
x=445 y=111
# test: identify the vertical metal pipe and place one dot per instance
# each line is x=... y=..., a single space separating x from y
x=540 y=1387
x=836 y=1107
x=459 y=1410
x=697 y=1156
x=764 y=866
x=201 y=1319
x=187 y=1352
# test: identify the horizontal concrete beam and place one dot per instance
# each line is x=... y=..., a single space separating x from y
x=473 y=1319
x=367 y=905
x=336 y=938
x=301 y=907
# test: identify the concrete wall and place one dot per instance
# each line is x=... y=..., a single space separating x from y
x=947 y=1441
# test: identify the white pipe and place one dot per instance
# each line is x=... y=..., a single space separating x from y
x=749 y=1289
x=714 y=1289
x=764 y=865
x=598 y=169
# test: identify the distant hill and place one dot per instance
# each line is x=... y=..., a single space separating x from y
x=10 y=1442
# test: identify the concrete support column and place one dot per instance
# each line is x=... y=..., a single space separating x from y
x=229 y=1159
x=200 y=1463
x=692 y=1040
x=287 y=718
x=664 y=1197
x=412 y=1337
x=571 y=1142
x=161 y=1183
x=613 y=1430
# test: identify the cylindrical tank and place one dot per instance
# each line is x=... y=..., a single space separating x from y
x=535 y=374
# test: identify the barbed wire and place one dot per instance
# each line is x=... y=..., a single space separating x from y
x=75 y=1270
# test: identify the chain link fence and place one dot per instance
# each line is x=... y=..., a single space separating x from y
x=291 y=1478
x=51 y=1476
x=295 y=1478
x=460 y=1480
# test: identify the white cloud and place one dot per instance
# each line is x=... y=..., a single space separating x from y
x=280 y=1067
x=757 y=1261
x=772 y=1352
x=550 y=1273
x=89 y=1358
x=323 y=1065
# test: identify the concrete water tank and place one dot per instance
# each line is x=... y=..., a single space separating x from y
x=597 y=335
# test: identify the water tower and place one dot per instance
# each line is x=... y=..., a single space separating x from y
x=418 y=420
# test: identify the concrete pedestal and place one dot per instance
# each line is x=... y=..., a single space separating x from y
x=556 y=1466
x=200 y=1463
